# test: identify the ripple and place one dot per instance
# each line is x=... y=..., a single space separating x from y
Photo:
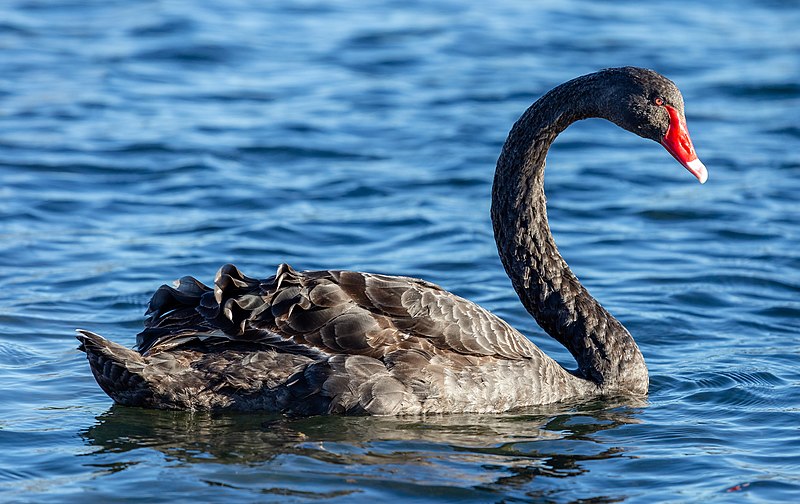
x=770 y=91
x=163 y=27
x=10 y=28
x=14 y=356
x=304 y=152
x=198 y=53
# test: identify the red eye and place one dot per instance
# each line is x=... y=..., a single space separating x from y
x=658 y=101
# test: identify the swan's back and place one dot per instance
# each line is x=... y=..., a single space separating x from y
x=322 y=342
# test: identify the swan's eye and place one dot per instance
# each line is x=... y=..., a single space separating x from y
x=659 y=101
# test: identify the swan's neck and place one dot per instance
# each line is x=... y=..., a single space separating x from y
x=605 y=351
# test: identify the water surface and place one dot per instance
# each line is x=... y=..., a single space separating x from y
x=143 y=141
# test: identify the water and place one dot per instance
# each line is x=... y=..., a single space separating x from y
x=142 y=141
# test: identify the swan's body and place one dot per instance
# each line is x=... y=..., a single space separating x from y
x=346 y=342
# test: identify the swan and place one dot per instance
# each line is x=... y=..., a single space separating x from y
x=344 y=342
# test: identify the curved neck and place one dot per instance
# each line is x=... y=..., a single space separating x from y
x=605 y=351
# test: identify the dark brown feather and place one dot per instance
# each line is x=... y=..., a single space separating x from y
x=334 y=341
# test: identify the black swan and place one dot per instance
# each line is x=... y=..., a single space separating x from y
x=328 y=342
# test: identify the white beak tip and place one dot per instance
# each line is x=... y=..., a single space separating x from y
x=698 y=169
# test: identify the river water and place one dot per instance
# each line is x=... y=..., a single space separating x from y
x=143 y=141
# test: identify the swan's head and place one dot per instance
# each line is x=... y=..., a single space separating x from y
x=648 y=104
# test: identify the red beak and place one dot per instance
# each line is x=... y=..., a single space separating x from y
x=678 y=143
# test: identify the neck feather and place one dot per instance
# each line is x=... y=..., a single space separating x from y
x=604 y=350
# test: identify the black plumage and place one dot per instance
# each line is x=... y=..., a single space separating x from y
x=322 y=342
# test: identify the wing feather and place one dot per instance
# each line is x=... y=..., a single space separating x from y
x=324 y=313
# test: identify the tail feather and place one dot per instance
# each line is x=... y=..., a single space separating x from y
x=118 y=370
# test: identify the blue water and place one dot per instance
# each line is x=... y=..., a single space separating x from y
x=143 y=141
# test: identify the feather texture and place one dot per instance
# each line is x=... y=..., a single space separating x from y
x=331 y=341
x=319 y=342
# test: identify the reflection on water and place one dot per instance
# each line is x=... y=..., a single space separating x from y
x=514 y=450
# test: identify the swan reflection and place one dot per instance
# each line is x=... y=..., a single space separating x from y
x=490 y=453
